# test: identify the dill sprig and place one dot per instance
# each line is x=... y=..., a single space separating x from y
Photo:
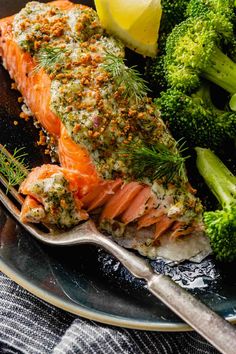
x=13 y=167
x=156 y=162
x=48 y=57
x=129 y=77
x=26 y=45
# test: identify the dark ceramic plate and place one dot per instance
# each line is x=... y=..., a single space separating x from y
x=85 y=280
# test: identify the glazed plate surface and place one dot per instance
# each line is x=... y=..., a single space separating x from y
x=85 y=280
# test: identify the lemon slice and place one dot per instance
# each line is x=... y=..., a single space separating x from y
x=136 y=23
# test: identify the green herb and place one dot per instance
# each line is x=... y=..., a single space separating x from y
x=157 y=161
x=129 y=77
x=26 y=45
x=48 y=57
x=13 y=167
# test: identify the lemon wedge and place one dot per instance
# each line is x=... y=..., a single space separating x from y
x=136 y=23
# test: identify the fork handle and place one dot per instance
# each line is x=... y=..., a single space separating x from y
x=220 y=333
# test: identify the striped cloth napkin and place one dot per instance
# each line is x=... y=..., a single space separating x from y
x=29 y=325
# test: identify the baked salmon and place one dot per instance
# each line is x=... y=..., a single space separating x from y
x=74 y=79
x=52 y=197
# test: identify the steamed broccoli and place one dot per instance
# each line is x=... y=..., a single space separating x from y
x=193 y=51
x=173 y=12
x=201 y=7
x=155 y=74
x=225 y=11
x=220 y=224
x=196 y=118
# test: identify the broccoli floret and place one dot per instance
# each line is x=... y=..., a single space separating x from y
x=193 y=51
x=173 y=12
x=201 y=7
x=195 y=118
x=155 y=75
x=224 y=11
x=220 y=224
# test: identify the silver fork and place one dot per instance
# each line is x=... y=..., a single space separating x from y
x=211 y=326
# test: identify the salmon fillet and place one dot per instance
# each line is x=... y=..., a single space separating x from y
x=60 y=58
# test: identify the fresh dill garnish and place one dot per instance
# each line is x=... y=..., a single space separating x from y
x=26 y=45
x=129 y=77
x=48 y=57
x=13 y=167
x=156 y=162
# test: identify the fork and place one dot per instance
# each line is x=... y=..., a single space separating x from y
x=220 y=333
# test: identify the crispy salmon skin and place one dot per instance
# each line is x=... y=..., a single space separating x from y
x=65 y=66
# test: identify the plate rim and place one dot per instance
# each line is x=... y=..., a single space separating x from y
x=95 y=315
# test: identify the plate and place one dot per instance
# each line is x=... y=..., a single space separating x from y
x=86 y=280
